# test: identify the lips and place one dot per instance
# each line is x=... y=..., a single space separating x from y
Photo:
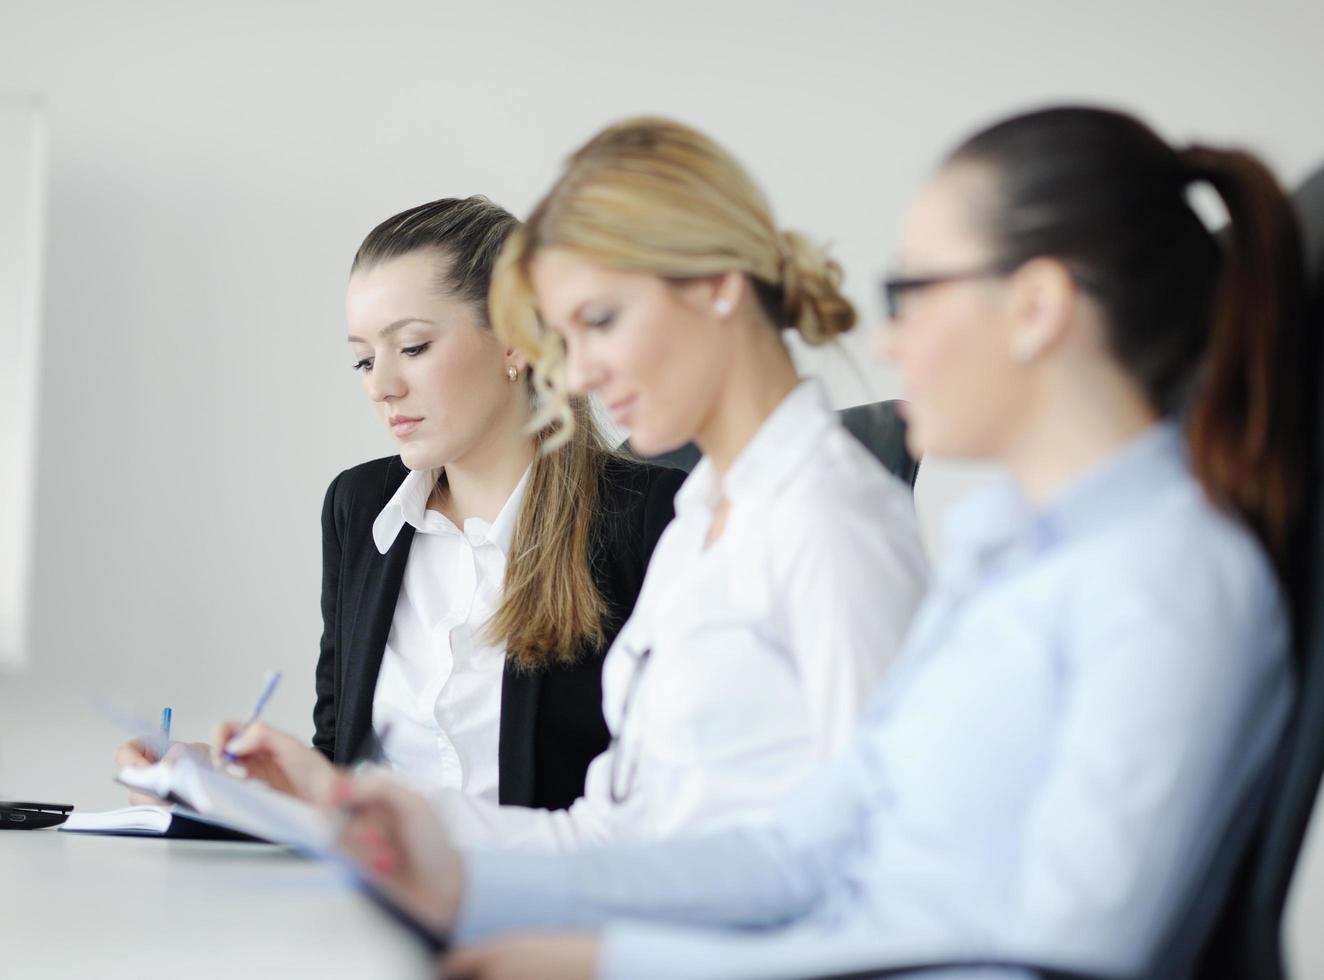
x=620 y=410
x=402 y=425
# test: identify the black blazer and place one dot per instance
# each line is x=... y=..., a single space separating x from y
x=551 y=719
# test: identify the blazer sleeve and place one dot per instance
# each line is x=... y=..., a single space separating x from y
x=324 y=711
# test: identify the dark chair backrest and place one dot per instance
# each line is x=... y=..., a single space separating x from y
x=1246 y=941
x=878 y=427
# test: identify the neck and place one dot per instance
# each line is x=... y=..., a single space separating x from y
x=1081 y=429
x=761 y=377
x=479 y=483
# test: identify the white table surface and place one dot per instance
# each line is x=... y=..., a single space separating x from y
x=79 y=905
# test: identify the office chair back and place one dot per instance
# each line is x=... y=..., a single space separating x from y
x=1246 y=940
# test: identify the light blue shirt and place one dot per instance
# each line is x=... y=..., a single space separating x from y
x=1084 y=699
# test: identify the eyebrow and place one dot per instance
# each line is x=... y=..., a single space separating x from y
x=393 y=328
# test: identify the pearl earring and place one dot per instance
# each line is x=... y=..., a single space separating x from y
x=722 y=307
x=512 y=373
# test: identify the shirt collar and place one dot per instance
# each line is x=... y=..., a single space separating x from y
x=999 y=516
x=778 y=449
x=409 y=505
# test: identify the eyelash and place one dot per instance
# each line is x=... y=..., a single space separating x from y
x=601 y=322
x=365 y=365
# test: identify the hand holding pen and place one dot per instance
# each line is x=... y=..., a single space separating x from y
x=276 y=758
x=291 y=765
x=148 y=746
x=268 y=687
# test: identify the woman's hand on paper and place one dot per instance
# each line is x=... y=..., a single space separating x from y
x=397 y=838
x=140 y=752
x=548 y=956
x=276 y=758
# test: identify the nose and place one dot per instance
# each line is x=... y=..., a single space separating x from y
x=384 y=382
x=582 y=373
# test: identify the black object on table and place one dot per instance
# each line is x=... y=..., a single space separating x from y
x=32 y=816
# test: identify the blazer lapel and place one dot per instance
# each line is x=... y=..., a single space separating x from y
x=379 y=579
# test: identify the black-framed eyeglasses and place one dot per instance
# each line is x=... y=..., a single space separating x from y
x=896 y=287
x=620 y=793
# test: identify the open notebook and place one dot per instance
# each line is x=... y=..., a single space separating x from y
x=212 y=797
x=152 y=821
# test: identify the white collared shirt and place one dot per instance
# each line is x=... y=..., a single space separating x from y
x=439 y=687
x=764 y=645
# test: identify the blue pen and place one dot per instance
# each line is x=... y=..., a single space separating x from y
x=272 y=679
x=165 y=732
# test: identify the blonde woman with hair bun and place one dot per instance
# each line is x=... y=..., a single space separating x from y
x=654 y=276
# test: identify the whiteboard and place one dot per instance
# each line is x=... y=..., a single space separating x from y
x=22 y=240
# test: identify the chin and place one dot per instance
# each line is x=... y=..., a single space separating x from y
x=420 y=457
x=647 y=443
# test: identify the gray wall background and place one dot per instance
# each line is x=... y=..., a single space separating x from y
x=212 y=168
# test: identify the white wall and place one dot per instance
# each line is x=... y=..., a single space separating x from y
x=214 y=166
x=22 y=248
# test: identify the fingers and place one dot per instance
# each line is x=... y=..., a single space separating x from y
x=467 y=963
x=397 y=838
x=371 y=836
x=221 y=734
x=240 y=740
x=547 y=956
x=378 y=813
x=134 y=753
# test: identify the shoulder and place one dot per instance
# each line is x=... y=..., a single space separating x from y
x=1183 y=543
x=367 y=486
x=636 y=502
x=843 y=491
x=1190 y=577
x=844 y=519
x=627 y=482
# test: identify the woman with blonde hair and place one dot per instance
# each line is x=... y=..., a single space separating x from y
x=652 y=275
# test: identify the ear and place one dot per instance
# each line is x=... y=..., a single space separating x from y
x=1041 y=299
x=516 y=359
x=718 y=295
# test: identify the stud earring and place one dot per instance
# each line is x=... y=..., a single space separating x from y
x=512 y=373
x=722 y=307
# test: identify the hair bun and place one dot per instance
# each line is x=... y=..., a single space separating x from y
x=811 y=287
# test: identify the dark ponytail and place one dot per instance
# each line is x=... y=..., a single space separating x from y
x=1211 y=329
x=1247 y=422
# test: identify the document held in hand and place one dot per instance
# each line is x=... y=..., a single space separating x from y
x=213 y=797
